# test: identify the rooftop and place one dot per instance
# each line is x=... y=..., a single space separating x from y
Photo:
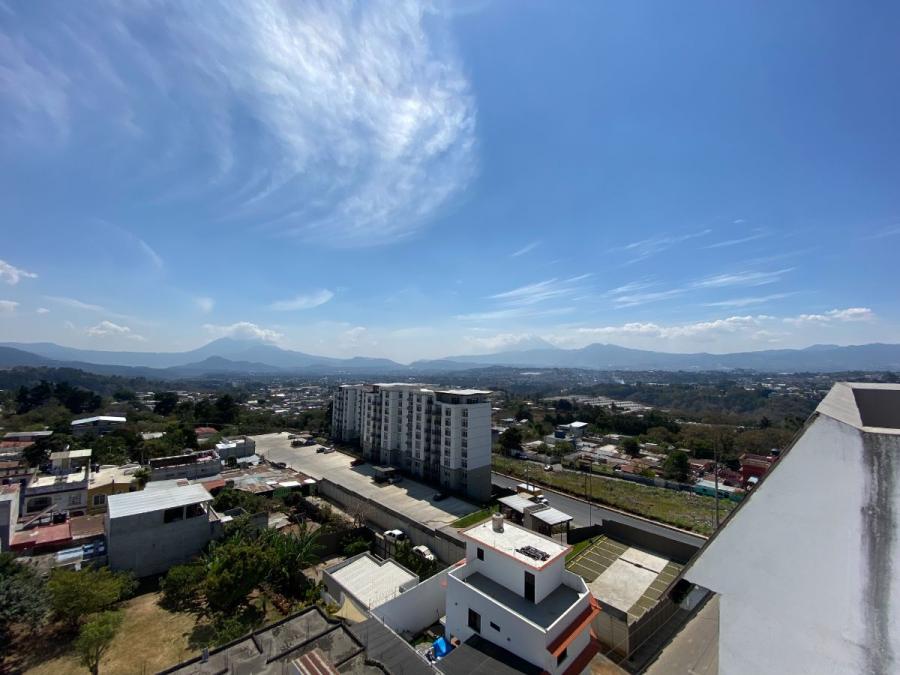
x=517 y=502
x=551 y=516
x=272 y=647
x=13 y=435
x=543 y=613
x=44 y=480
x=370 y=581
x=147 y=501
x=867 y=406
x=99 y=418
x=513 y=538
x=464 y=392
x=70 y=454
x=113 y=474
x=623 y=577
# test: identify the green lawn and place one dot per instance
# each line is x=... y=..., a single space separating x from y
x=681 y=509
x=476 y=517
x=578 y=548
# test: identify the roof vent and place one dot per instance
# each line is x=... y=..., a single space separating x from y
x=497 y=522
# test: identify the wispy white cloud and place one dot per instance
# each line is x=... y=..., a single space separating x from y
x=646 y=248
x=75 y=304
x=743 y=278
x=635 y=299
x=515 y=313
x=542 y=291
x=110 y=329
x=502 y=342
x=12 y=274
x=151 y=254
x=887 y=232
x=205 y=304
x=746 y=302
x=42 y=310
x=244 y=330
x=740 y=240
x=349 y=124
x=8 y=306
x=303 y=301
x=525 y=249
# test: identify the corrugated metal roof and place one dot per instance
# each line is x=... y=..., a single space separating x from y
x=552 y=516
x=99 y=418
x=147 y=501
x=517 y=502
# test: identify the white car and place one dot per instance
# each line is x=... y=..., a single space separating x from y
x=424 y=552
x=394 y=536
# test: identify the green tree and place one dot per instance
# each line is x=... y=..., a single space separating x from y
x=289 y=555
x=227 y=409
x=510 y=440
x=676 y=466
x=234 y=568
x=141 y=477
x=165 y=403
x=95 y=638
x=76 y=594
x=354 y=547
x=109 y=449
x=182 y=587
x=23 y=597
x=631 y=447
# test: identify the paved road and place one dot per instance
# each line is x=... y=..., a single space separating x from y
x=585 y=513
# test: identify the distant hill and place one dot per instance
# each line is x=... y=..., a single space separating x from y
x=818 y=358
x=254 y=357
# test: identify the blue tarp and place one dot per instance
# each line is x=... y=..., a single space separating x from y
x=441 y=647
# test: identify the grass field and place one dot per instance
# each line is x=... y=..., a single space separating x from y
x=476 y=517
x=682 y=509
x=149 y=640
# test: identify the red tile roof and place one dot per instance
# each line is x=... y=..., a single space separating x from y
x=41 y=536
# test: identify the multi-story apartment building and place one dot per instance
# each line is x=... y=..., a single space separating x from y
x=514 y=591
x=440 y=436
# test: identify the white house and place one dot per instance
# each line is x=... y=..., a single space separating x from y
x=514 y=591
x=99 y=425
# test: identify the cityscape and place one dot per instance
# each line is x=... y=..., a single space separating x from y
x=449 y=338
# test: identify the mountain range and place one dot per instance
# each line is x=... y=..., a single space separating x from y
x=230 y=356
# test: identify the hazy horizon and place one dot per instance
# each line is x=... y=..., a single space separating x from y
x=423 y=180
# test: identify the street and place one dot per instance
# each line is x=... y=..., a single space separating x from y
x=585 y=513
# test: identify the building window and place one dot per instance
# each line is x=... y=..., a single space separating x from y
x=74 y=500
x=474 y=620
x=99 y=500
x=562 y=657
x=173 y=514
x=480 y=553
x=495 y=626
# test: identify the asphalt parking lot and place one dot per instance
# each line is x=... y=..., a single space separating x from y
x=408 y=497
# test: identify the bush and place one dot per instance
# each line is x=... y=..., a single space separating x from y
x=354 y=547
x=95 y=638
x=74 y=595
x=182 y=587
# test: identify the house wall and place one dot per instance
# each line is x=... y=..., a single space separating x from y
x=416 y=609
x=807 y=566
x=515 y=633
x=509 y=572
x=72 y=499
x=9 y=514
x=106 y=490
x=146 y=545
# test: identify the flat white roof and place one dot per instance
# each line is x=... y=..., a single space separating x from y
x=868 y=406
x=513 y=538
x=70 y=454
x=99 y=418
x=463 y=392
x=370 y=582
x=147 y=501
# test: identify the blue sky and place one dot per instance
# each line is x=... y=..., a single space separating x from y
x=417 y=180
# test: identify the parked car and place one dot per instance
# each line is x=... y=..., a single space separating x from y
x=541 y=499
x=440 y=496
x=548 y=467
x=424 y=553
x=359 y=461
x=396 y=478
x=394 y=536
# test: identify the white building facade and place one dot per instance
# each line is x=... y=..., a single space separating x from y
x=440 y=436
x=514 y=591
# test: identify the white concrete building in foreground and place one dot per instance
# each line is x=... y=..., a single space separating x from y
x=441 y=436
x=515 y=592
x=807 y=568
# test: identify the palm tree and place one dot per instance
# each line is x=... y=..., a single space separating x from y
x=290 y=554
